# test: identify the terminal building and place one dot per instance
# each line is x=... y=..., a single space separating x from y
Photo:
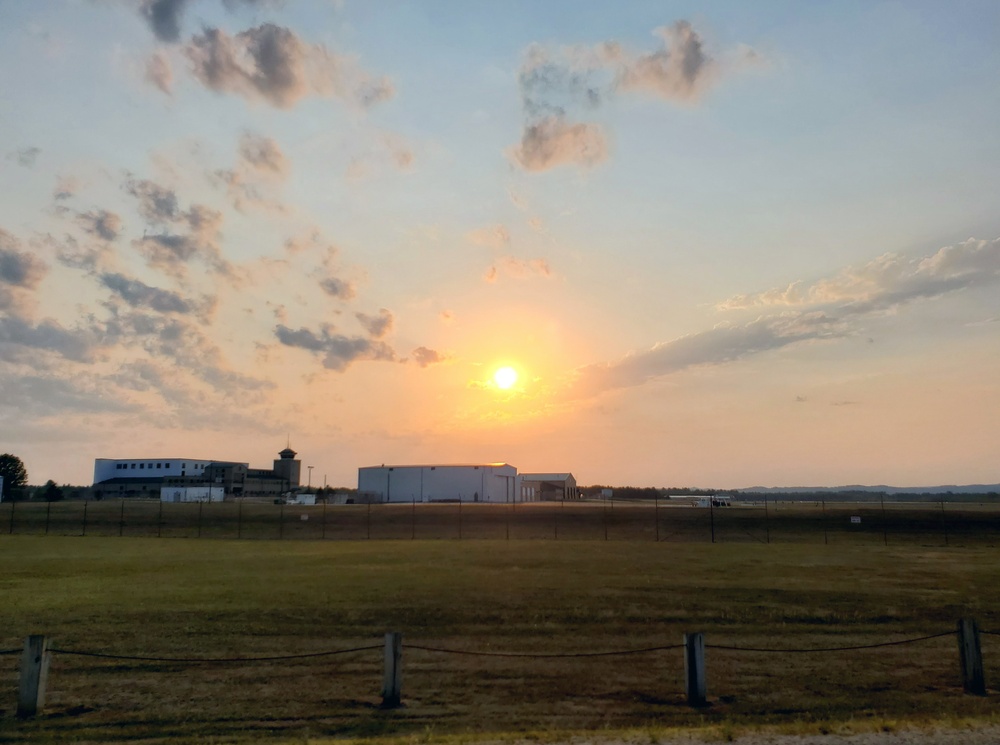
x=194 y=479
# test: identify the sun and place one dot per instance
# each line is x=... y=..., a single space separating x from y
x=505 y=377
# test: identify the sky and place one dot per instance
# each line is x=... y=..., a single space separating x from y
x=722 y=244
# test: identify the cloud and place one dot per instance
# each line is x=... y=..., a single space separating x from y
x=495 y=237
x=66 y=188
x=139 y=294
x=105 y=225
x=261 y=163
x=338 y=351
x=79 y=345
x=263 y=154
x=722 y=344
x=41 y=396
x=159 y=72
x=272 y=64
x=25 y=156
x=426 y=357
x=558 y=86
x=338 y=288
x=518 y=268
x=376 y=326
x=164 y=17
x=887 y=281
x=680 y=71
x=554 y=142
x=18 y=268
x=171 y=252
x=157 y=204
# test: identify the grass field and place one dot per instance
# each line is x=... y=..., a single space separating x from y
x=221 y=598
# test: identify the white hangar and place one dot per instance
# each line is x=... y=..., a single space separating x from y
x=485 y=482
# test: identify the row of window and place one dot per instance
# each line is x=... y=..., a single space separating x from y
x=143 y=466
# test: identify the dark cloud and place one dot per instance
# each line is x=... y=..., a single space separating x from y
x=105 y=225
x=78 y=345
x=425 y=357
x=139 y=294
x=554 y=142
x=164 y=17
x=271 y=63
x=376 y=326
x=26 y=156
x=338 y=288
x=18 y=268
x=157 y=204
x=263 y=154
x=338 y=351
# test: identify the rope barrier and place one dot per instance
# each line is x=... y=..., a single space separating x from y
x=832 y=649
x=105 y=656
x=644 y=650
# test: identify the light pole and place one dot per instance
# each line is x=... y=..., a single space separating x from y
x=310 y=481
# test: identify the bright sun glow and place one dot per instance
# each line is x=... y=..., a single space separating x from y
x=505 y=377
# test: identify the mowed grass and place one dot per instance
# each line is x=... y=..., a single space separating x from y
x=226 y=598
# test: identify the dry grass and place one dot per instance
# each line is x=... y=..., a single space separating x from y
x=241 y=598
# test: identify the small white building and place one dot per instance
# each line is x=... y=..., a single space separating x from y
x=200 y=493
x=485 y=482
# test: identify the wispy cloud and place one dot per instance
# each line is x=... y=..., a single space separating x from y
x=376 y=326
x=515 y=268
x=426 y=357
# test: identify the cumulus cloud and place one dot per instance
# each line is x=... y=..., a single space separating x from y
x=260 y=165
x=74 y=344
x=105 y=225
x=376 y=326
x=198 y=239
x=272 y=64
x=159 y=73
x=554 y=142
x=426 y=357
x=20 y=273
x=338 y=288
x=559 y=86
x=140 y=295
x=66 y=188
x=338 y=351
x=164 y=17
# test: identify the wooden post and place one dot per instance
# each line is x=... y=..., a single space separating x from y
x=84 y=531
x=392 y=678
x=11 y=529
x=239 y=519
x=368 y=523
x=944 y=523
x=325 y=500
x=459 y=517
x=34 y=673
x=826 y=535
x=200 y=505
x=767 y=522
x=159 y=521
x=48 y=513
x=281 y=519
x=973 y=680
x=711 y=516
x=885 y=530
x=694 y=669
x=656 y=517
x=121 y=519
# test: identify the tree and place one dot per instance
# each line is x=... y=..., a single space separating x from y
x=51 y=491
x=14 y=476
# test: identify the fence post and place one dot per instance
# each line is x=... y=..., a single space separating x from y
x=48 y=513
x=656 y=517
x=11 y=529
x=392 y=678
x=84 y=530
x=121 y=520
x=973 y=679
x=34 y=673
x=694 y=669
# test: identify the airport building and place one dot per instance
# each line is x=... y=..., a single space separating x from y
x=484 y=482
x=550 y=486
x=194 y=479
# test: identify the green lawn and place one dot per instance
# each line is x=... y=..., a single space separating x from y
x=222 y=598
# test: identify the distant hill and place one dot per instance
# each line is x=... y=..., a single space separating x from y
x=879 y=489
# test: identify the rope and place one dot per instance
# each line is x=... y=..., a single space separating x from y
x=8 y=651
x=989 y=633
x=102 y=655
x=831 y=649
x=644 y=650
